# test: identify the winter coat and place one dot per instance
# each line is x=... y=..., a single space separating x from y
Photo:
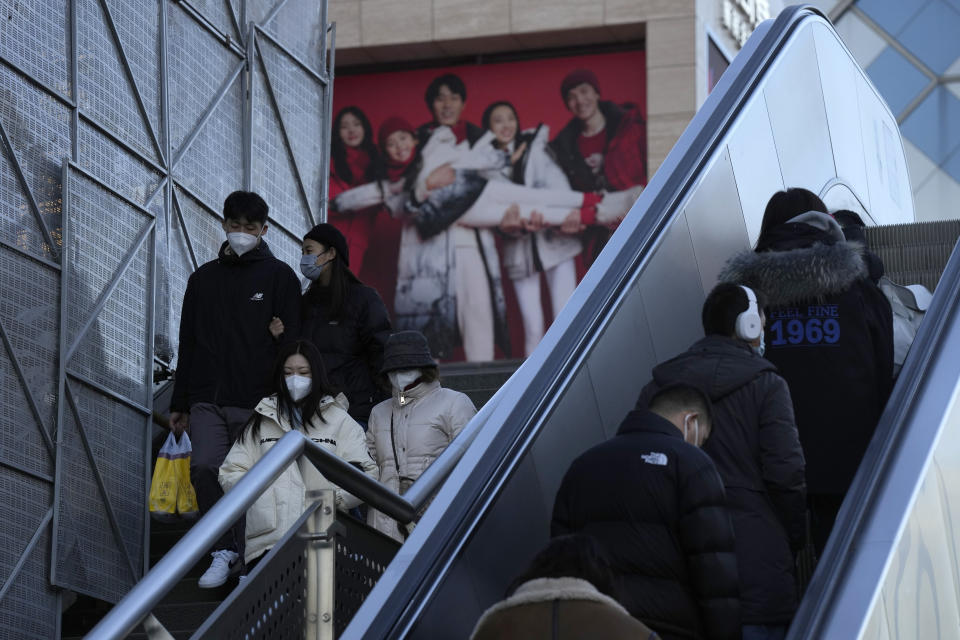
x=351 y=346
x=578 y=609
x=625 y=158
x=755 y=446
x=425 y=130
x=426 y=297
x=226 y=350
x=530 y=253
x=414 y=428
x=355 y=224
x=272 y=515
x=657 y=506
x=830 y=333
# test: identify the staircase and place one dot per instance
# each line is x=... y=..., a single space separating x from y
x=479 y=380
x=187 y=606
x=914 y=253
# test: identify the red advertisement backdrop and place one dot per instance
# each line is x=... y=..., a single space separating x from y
x=533 y=86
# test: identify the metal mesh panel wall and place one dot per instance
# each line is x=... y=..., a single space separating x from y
x=106 y=318
x=149 y=101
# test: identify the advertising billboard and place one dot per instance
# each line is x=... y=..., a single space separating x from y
x=474 y=197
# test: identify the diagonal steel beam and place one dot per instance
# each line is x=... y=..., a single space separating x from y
x=312 y=219
x=183 y=228
x=28 y=394
x=28 y=193
x=128 y=71
x=306 y=68
x=22 y=560
x=205 y=116
x=30 y=256
x=16 y=466
x=111 y=287
x=273 y=12
x=234 y=20
x=101 y=486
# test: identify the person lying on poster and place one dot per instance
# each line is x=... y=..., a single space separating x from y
x=448 y=282
x=604 y=145
x=528 y=251
x=355 y=160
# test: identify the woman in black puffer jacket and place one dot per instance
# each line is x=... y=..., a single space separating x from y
x=830 y=334
x=345 y=319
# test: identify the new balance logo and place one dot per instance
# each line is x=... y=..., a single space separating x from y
x=257 y=297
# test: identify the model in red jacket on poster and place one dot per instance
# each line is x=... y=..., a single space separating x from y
x=355 y=160
x=603 y=147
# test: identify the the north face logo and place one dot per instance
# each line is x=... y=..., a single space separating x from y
x=655 y=457
x=257 y=297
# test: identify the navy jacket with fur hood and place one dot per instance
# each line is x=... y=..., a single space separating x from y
x=226 y=350
x=830 y=333
x=755 y=445
x=657 y=506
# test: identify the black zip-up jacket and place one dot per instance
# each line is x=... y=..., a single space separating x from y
x=657 y=505
x=226 y=350
x=756 y=448
x=352 y=345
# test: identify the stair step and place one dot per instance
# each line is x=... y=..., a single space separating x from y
x=914 y=253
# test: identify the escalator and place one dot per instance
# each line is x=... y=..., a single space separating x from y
x=794 y=109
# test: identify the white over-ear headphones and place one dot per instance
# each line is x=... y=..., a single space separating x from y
x=749 y=327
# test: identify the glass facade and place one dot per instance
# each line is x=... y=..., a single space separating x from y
x=911 y=50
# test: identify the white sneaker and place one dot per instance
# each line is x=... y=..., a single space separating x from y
x=223 y=562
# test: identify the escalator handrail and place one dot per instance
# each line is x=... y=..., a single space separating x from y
x=395 y=602
x=875 y=511
x=152 y=588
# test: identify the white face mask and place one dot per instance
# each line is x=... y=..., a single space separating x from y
x=403 y=378
x=242 y=242
x=298 y=386
x=696 y=430
x=761 y=348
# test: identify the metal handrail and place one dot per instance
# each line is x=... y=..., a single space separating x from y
x=148 y=592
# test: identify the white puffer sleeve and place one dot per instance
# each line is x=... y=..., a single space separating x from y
x=352 y=447
x=240 y=458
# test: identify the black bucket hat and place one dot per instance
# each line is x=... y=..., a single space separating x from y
x=406 y=350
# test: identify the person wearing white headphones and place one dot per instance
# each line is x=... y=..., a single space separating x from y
x=756 y=448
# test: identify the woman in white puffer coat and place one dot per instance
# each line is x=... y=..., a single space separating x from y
x=303 y=400
x=410 y=430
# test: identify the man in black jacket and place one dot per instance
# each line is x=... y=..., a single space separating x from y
x=226 y=353
x=655 y=501
x=756 y=448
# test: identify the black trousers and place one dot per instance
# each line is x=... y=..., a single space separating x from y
x=213 y=429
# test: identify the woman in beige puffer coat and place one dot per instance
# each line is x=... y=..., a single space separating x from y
x=410 y=430
x=301 y=390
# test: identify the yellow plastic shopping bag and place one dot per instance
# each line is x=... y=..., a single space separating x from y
x=171 y=493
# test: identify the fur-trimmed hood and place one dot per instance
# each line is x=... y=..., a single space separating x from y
x=547 y=590
x=788 y=277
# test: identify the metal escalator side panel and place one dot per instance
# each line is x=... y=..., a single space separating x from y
x=890 y=569
x=638 y=304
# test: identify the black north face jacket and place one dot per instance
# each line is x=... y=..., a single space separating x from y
x=657 y=505
x=226 y=350
x=755 y=445
x=830 y=334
